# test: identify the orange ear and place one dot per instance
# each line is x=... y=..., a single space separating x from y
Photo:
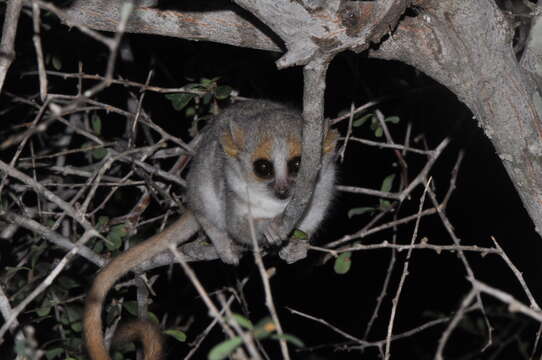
x=330 y=140
x=233 y=140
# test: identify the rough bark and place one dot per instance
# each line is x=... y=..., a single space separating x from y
x=225 y=24
x=465 y=45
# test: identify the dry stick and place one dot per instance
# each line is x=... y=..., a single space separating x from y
x=112 y=44
x=382 y=145
x=536 y=341
x=266 y=285
x=107 y=165
x=268 y=295
x=393 y=257
x=53 y=237
x=46 y=282
x=9 y=30
x=213 y=311
x=407 y=139
x=330 y=326
x=314 y=74
x=144 y=166
x=421 y=178
x=22 y=141
x=379 y=343
x=513 y=304
x=6 y=310
x=147 y=121
x=421 y=246
x=468 y=269
x=395 y=301
x=389 y=139
x=199 y=339
x=361 y=108
x=246 y=336
x=534 y=305
x=41 y=190
x=382 y=295
x=366 y=231
x=518 y=274
x=39 y=50
x=403 y=194
x=453 y=324
x=348 y=132
x=137 y=116
x=123 y=82
x=363 y=233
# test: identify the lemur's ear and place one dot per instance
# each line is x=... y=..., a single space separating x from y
x=331 y=140
x=233 y=139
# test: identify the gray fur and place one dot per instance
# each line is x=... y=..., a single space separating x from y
x=223 y=191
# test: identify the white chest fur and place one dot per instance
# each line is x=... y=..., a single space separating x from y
x=259 y=205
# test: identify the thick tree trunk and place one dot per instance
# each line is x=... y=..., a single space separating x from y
x=466 y=45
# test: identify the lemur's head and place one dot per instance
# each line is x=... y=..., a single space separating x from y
x=267 y=146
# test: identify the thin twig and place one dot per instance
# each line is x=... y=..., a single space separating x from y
x=404 y=274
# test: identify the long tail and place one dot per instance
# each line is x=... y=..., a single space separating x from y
x=179 y=231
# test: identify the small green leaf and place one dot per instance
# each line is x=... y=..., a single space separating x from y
x=343 y=263
x=67 y=282
x=379 y=132
x=77 y=326
x=21 y=347
x=207 y=98
x=207 y=82
x=99 y=154
x=57 y=63
x=223 y=92
x=115 y=236
x=96 y=123
x=384 y=204
x=224 y=349
x=243 y=321
x=54 y=353
x=102 y=222
x=387 y=183
x=190 y=111
x=289 y=338
x=360 y=211
x=180 y=100
x=152 y=317
x=73 y=312
x=362 y=120
x=300 y=235
x=176 y=334
x=131 y=307
x=392 y=119
x=43 y=311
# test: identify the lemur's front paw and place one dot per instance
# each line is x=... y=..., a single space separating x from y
x=294 y=251
x=272 y=232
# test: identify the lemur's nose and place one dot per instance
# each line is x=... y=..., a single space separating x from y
x=282 y=191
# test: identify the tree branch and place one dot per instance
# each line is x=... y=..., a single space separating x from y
x=9 y=30
x=445 y=42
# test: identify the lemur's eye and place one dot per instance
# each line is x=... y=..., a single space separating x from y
x=263 y=168
x=293 y=165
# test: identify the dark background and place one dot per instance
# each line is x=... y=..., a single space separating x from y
x=484 y=204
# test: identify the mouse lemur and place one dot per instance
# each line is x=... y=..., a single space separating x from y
x=242 y=176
